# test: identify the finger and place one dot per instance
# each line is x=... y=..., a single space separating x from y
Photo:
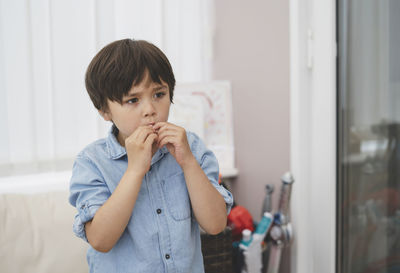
x=143 y=133
x=151 y=139
x=160 y=125
x=164 y=131
x=166 y=140
x=170 y=128
x=165 y=134
x=139 y=129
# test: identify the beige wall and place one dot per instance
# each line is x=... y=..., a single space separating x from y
x=252 y=51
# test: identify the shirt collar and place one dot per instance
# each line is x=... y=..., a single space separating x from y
x=116 y=151
x=159 y=154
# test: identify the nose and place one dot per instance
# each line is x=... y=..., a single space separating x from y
x=148 y=109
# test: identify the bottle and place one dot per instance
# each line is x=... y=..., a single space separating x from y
x=246 y=239
x=253 y=254
x=264 y=225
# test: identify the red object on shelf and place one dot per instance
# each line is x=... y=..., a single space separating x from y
x=239 y=219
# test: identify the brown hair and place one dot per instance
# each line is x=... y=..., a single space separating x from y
x=122 y=64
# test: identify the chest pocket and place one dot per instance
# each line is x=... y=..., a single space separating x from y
x=177 y=196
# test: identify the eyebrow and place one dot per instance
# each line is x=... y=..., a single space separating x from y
x=158 y=87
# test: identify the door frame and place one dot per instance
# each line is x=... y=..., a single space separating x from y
x=313 y=134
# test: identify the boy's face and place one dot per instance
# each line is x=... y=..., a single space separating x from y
x=146 y=103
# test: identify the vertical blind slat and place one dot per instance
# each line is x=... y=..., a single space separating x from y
x=192 y=42
x=105 y=33
x=172 y=35
x=41 y=83
x=17 y=62
x=139 y=20
x=4 y=143
x=75 y=123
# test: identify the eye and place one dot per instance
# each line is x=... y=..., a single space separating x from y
x=160 y=94
x=131 y=101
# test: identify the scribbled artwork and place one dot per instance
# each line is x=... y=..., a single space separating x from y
x=206 y=109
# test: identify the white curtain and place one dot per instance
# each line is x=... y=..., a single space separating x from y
x=46 y=116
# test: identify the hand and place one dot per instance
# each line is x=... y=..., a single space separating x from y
x=139 y=149
x=174 y=138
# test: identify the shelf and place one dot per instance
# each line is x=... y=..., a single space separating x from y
x=229 y=172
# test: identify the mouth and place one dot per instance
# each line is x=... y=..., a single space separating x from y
x=151 y=123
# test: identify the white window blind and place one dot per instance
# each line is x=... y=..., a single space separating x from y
x=46 y=116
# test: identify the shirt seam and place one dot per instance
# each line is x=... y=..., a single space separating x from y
x=88 y=159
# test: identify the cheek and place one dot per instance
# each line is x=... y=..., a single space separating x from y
x=129 y=122
x=165 y=112
x=133 y=124
x=129 y=127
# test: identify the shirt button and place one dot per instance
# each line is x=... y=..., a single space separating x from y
x=167 y=256
x=158 y=211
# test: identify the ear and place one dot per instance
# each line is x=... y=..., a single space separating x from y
x=106 y=115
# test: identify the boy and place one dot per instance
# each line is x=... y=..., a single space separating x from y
x=142 y=192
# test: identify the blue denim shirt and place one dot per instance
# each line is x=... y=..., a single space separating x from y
x=162 y=234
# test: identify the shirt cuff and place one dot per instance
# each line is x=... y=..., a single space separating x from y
x=85 y=213
x=228 y=197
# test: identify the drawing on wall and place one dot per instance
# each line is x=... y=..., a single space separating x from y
x=206 y=109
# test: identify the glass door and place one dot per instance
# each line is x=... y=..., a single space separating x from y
x=368 y=231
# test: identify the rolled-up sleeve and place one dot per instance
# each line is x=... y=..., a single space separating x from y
x=209 y=164
x=88 y=192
